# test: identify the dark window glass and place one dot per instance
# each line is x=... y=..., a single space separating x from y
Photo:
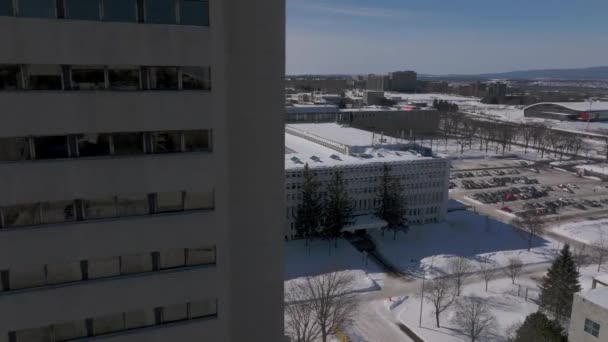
x=99 y=208
x=198 y=200
x=200 y=256
x=169 y=201
x=51 y=147
x=9 y=76
x=163 y=78
x=196 y=140
x=132 y=205
x=119 y=10
x=70 y=330
x=82 y=9
x=203 y=308
x=164 y=142
x=174 y=313
x=196 y=78
x=124 y=79
x=37 y=8
x=194 y=12
x=160 y=11
x=56 y=212
x=6 y=7
x=90 y=145
x=88 y=78
x=128 y=143
x=21 y=215
x=44 y=77
x=14 y=149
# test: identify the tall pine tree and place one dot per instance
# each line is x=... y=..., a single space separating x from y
x=392 y=208
x=338 y=211
x=308 y=217
x=538 y=328
x=559 y=286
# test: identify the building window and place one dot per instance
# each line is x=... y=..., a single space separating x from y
x=63 y=273
x=165 y=142
x=163 y=78
x=6 y=7
x=82 y=9
x=137 y=263
x=102 y=268
x=99 y=208
x=197 y=140
x=51 y=147
x=9 y=74
x=132 y=205
x=123 y=78
x=44 y=334
x=70 y=330
x=21 y=215
x=160 y=11
x=37 y=8
x=108 y=324
x=88 y=78
x=194 y=12
x=27 y=277
x=57 y=212
x=592 y=327
x=174 y=313
x=139 y=319
x=198 y=200
x=203 y=308
x=200 y=256
x=12 y=149
x=120 y=10
x=195 y=78
x=128 y=143
x=43 y=77
x=172 y=258
x=169 y=202
x=93 y=145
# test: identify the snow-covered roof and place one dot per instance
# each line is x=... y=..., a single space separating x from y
x=300 y=151
x=603 y=278
x=595 y=168
x=577 y=106
x=597 y=296
x=347 y=135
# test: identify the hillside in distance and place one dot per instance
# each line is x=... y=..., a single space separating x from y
x=593 y=73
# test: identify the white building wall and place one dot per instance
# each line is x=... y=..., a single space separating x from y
x=583 y=309
x=425 y=183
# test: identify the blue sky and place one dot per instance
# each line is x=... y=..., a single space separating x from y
x=444 y=36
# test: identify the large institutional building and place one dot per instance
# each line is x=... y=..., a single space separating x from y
x=129 y=210
x=360 y=156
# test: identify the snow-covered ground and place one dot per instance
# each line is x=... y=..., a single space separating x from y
x=479 y=238
x=587 y=232
x=301 y=262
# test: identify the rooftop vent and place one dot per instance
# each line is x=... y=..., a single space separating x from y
x=315 y=158
x=335 y=157
x=380 y=155
x=296 y=160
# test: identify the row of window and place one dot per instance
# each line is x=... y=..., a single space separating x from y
x=592 y=328
x=118 y=322
x=103 y=208
x=101 y=77
x=53 y=274
x=103 y=144
x=181 y=12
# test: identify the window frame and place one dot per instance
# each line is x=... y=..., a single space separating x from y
x=590 y=327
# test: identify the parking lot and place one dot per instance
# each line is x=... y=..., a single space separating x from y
x=520 y=189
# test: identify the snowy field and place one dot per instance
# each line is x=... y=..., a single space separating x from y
x=587 y=232
x=479 y=238
x=300 y=262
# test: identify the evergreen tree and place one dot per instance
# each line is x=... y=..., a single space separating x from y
x=538 y=328
x=392 y=208
x=559 y=285
x=308 y=217
x=338 y=211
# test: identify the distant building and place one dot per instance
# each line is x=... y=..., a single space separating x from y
x=372 y=98
x=403 y=81
x=360 y=156
x=589 y=319
x=378 y=82
x=498 y=89
x=564 y=111
x=327 y=85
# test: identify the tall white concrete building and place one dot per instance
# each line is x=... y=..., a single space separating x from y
x=589 y=318
x=136 y=204
x=360 y=156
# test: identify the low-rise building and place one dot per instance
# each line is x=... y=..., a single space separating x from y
x=360 y=156
x=374 y=98
x=589 y=319
x=568 y=111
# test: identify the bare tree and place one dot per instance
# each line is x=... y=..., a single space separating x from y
x=556 y=140
x=333 y=303
x=539 y=136
x=459 y=269
x=601 y=249
x=440 y=292
x=604 y=133
x=580 y=257
x=474 y=318
x=527 y=134
x=300 y=323
x=531 y=224
x=488 y=271
x=505 y=136
x=513 y=268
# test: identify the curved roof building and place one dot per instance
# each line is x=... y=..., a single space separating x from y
x=584 y=111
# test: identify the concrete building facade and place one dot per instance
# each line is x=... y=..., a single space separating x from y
x=378 y=82
x=589 y=318
x=360 y=157
x=121 y=166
